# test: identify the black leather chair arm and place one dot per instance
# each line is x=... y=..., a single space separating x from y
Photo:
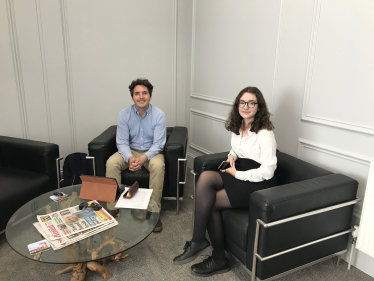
x=102 y=147
x=299 y=197
x=209 y=162
x=175 y=148
x=30 y=155
x=296 y=198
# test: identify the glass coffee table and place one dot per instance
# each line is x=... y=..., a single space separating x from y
x=134 y=226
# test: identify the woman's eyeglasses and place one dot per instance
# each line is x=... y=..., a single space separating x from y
x=250 y=104
x=94 y=206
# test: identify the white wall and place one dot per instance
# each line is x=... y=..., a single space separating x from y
x=313 y=61
x=66 y=65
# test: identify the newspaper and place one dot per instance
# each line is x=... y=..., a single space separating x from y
x=69 y=222
x=66 y=241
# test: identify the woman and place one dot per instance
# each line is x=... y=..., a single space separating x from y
x=253 y=162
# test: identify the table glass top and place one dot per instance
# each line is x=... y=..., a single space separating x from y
x=134 y=226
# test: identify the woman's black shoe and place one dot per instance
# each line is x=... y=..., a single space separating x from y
x=191 y=251
x=209 y=267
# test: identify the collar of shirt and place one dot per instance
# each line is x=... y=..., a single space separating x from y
x=147 y=112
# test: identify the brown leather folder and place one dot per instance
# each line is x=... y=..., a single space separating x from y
x=98 y=188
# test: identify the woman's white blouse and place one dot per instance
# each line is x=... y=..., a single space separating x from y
x=260 y=147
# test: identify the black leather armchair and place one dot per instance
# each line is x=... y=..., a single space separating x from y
x=103 y=146
x=303 y=220
x=27 y=170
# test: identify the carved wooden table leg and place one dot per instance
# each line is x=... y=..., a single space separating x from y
x=94 y=266
x=79 y=271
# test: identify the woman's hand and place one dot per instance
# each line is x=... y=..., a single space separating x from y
x=232 y=169
x=231 y=160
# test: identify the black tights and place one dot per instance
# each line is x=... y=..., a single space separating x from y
x=211 y=197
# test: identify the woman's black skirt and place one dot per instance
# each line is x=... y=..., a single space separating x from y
x=238 y=191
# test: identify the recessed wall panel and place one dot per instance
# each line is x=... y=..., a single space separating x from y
x=112 y=43
x=11 y=124
x=235 y=47
x=55 y=73
x=342 y=64
x=27 y=32
x=208 y=133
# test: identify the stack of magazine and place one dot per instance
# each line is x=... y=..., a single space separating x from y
x=70 y=225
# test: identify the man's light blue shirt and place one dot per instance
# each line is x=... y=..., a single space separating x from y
x=147 y=133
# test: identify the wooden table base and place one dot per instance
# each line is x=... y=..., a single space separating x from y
x=79 y=269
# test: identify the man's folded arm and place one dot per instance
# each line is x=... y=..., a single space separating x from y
x=159 y=137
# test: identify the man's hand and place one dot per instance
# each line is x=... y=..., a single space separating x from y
x=132 y=163
x=136 y=163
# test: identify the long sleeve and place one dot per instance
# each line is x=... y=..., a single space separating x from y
x=159 y=137
x=123 y=136
x=265 y=154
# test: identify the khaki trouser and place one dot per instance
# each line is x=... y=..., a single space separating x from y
x=156 y=167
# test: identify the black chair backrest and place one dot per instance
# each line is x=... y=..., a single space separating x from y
x=75 y=165
x=291 y=169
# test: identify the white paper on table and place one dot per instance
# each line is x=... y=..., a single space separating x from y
x=139 y=200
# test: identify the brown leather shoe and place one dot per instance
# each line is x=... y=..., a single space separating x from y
x=158 y=227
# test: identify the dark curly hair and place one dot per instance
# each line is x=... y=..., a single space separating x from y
x=142 y=82
x=261 y=121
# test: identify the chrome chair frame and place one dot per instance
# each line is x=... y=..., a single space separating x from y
x=260 y=223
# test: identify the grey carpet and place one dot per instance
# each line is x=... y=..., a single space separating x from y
x=152 y=259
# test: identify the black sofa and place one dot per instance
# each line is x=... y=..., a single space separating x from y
x=27 y=170
x=309 y=204
x=103 y=146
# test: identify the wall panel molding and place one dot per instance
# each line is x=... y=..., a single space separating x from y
x=340 y=153
x=212 y=98
x=276 y=56
x=17 y=68
x=44 y=70
x=69 y=74
x=193 y=33
x=193 y=94
x=306 y=116
x=229 y=102
x=210 y=116
x=174 y=60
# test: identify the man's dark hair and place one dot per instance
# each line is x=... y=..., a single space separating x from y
x=142 y=82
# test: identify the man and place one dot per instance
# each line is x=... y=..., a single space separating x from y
x=141 y=137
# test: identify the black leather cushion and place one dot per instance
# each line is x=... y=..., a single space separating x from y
x=30 y=155
x=235 y=224
x=17 y=188
x=141 y=176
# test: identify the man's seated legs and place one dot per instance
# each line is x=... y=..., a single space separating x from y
x=114 y=166
x=156 y=168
